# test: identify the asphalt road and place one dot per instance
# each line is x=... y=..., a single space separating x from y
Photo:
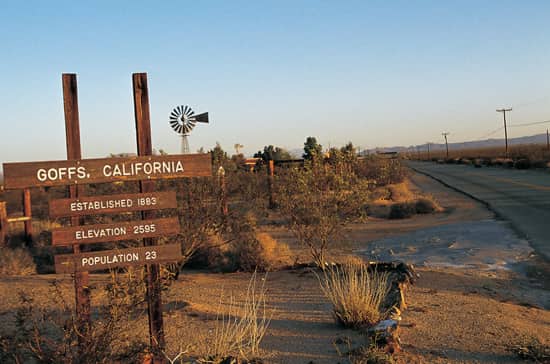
x=520 y=196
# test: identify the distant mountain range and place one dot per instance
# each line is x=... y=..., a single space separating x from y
x=487 y=143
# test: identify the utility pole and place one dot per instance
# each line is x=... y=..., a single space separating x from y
x=446 y=144
x=547 y=140
x=503 y=111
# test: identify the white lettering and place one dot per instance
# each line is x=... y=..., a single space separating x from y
x=107 y=170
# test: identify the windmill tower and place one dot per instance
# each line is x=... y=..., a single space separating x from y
x=183 y=120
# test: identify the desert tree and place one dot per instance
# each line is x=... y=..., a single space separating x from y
x=273 y=153
x=312 y=149
x=318 y=203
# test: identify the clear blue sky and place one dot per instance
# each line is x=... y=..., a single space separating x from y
x=377 y=73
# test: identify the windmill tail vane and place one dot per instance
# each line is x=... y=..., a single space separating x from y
x=183 y=120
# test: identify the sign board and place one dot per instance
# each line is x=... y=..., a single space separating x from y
x=112 y=204
x=70 y=263
x=126 y=230
x=69 y=172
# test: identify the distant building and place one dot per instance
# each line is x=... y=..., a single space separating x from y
x=387 y=154
x=251 y=163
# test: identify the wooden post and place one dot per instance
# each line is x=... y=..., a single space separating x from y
x=3 y=223
x=271 y=173
x=144 y=147
x=72 y=133
x=27 y=213
x=223 y=193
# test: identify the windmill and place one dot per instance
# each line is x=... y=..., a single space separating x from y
x=183 y=120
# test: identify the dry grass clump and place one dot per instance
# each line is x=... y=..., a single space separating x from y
x=16 y=262
x=357 y=295
x=240 y=332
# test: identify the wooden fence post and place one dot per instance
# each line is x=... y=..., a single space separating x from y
x=223 y=192
x=144 y=147
x=72 y=133
x=27 y=212
x=270 y=174
x=3 y=223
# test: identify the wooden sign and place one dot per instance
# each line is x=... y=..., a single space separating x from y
x=70 y=263
x=70 y=172
x=112 y=204
x=127 y=230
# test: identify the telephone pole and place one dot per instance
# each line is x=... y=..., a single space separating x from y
x=446 y=144
x=503 y=111
x=547 y=140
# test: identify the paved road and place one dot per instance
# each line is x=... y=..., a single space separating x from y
x=519 y=196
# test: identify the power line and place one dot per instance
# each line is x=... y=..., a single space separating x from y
x=513 y=126
x=529 y=124
x=491 y=133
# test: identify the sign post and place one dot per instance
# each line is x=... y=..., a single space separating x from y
x=145 y=148
x=72 y=133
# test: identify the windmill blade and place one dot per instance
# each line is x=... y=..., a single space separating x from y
x=202 y=118
x=183 y=119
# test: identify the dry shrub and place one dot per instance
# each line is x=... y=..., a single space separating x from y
x=532 y=349
x=210 y=255
x=260 y=253
x=426 y=205
x=249 y=252
x=44 y=335
x=357 y=295
x=400 y=192
x=402 y=210
x=523 y=163
x=371 y=355
x=240 y=332
x=16 y=262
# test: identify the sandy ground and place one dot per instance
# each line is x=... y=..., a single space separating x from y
x=460 y=313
